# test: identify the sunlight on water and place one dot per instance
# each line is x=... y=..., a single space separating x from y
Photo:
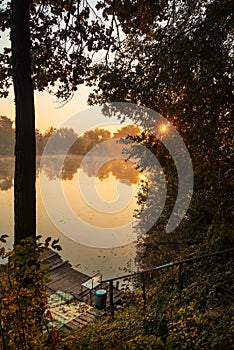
x=107 y=191
x=110 y=262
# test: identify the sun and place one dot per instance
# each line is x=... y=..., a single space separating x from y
x=163 y=128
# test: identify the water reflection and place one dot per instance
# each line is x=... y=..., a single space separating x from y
x=124 y=171
x=6 y=173
x=121 y=170
x=93 y=210
x=111 y=262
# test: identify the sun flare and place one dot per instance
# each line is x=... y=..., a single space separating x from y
x=163 y=128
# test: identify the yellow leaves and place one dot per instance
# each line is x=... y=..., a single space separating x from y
x=23 y=298
x=4 y=300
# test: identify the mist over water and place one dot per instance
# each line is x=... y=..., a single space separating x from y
x=114 y=178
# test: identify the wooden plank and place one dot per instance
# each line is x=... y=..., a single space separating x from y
x=92 y=316
x=53 y=260
x=80 y=321
x=59 y=265
x=65 y=284
x=74 y=325
x=56 y=276
x=96 y=312
x=86 y=318
x=92 y=312
x=48 y=253
x=74 y=289
x=62 y=272
x=72 y=273
x=57 y=280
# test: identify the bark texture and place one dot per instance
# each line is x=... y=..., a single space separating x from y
x=25 y=153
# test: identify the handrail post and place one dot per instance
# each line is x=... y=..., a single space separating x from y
x=181 y=280
x=143 y=288
x=111 y=295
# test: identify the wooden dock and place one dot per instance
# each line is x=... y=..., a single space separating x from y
x=62 y=275
x=65 y=279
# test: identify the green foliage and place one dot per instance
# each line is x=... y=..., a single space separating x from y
x=64 y=37
x=187 y=308
x=198 y=316
x=179 y=63
x=219 y=235
x=24 y=275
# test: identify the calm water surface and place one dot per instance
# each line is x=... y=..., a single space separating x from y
x=114 y=181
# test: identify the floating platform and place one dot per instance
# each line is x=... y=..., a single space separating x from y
x=71 y=294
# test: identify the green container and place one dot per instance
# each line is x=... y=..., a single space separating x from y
x=100 y=299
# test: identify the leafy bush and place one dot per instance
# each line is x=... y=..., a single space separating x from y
x=24 y=276
x=197 y=316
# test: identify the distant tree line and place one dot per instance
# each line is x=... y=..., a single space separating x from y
x=61 y=138
x=7 y=137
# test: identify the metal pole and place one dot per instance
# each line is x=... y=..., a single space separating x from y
x=112 y=309
x=143 y=287
x=181 y=280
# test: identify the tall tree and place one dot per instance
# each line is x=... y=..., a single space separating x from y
x=25 y=149
x=52 y=48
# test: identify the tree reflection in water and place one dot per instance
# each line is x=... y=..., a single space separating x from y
x=6 y=173
x=124 y=171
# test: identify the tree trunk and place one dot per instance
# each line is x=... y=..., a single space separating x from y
x=25 y=152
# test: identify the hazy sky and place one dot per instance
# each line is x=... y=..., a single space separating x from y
x=48 y=110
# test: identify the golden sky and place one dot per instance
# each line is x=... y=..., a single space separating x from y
x=48 y=110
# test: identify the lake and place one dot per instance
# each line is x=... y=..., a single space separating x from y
x=95 y=227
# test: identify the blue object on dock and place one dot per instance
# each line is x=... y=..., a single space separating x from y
x=100 y=299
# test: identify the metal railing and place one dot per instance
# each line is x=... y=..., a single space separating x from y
x=142 y=275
